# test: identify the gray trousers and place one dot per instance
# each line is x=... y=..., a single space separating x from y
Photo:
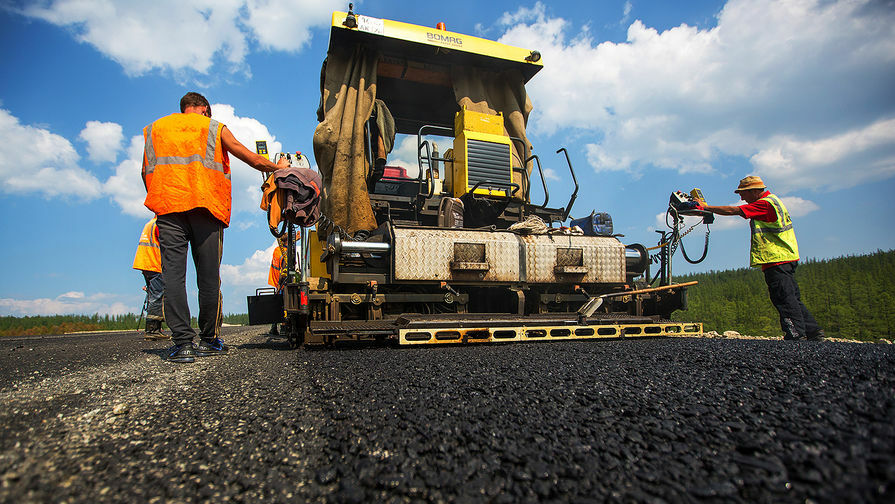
x=199 y=231
x=155 y=292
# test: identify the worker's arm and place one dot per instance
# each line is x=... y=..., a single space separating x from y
x=725 y=210
x=250 y=158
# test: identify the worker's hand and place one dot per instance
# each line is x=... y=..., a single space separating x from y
x=283 y=163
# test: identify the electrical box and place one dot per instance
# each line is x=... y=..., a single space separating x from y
x=482 y=155
x=480 y=122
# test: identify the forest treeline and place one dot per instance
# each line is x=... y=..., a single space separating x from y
x=61 y=324
x=851 y=297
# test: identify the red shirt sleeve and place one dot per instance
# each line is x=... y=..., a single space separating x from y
x=761 y=210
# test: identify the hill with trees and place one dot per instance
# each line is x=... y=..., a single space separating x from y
x=851 y=297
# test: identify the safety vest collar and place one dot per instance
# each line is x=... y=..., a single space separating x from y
x=206 y=161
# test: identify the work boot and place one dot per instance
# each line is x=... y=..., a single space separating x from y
x=273 y=330
x=154 y=330
x=819 y=336
x=213 y=347
x=182 y=353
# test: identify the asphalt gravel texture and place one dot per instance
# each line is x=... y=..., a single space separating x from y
x=103 y=418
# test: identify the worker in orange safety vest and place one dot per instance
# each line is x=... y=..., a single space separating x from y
x=148 y=260
x=186 y=172
x=274 y=277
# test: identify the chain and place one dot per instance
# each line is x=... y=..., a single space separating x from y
x=685 y=233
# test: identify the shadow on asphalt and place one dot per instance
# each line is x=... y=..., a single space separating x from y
x=271 y=344
x=158 y=352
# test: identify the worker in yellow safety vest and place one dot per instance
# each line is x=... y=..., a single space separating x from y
x=148 y=260
x=774 y=249
x=186 y=172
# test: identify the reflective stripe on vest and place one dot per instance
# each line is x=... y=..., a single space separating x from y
x=781 y=211
x=186 y=166
x=773 y=242
x=207 y=161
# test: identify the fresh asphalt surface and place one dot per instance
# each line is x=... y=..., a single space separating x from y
x=102 y=417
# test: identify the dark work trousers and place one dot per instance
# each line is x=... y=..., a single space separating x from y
x=155 y=292
x=204 y=235
x=795 y=320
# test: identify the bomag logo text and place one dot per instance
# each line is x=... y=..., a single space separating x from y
x=444 y=39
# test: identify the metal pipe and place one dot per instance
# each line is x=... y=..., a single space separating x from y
x=636 y=259
x=304 y=254
x=353 y=246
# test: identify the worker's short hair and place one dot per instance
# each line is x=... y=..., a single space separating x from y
x=193 y=99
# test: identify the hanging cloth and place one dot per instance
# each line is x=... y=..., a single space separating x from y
x=349 y=90
x=293 y=195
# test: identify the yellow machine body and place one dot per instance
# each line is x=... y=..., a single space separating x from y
x=317 y=268
x=482 y=153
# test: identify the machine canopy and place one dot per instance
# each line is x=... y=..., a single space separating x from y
x=420 y=76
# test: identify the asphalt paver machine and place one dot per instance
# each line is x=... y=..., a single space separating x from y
x=449 y=248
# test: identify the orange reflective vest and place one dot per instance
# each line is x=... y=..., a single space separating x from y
x=149 y=255
x=186 y=166
x=273 y=278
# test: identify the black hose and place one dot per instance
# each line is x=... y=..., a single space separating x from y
x=676 y=238
x=705 y=250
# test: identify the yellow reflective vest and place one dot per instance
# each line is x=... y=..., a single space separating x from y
x=773 y=242
x=186 y=166
x=149 y=255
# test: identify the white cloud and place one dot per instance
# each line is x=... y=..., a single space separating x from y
x=790 y=163
x=67 y=303
x=103 y=140
x=403 y=154
x=799 y=207
x=626 y=13
x=245 y=180
x=523 y=15
x=770 y=71
x=286 y=24
x=550 y=174
x=125 y=186
x=252 y=272
x=34 y=160
x=191 y=35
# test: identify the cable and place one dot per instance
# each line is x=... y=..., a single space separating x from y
x=677 y=237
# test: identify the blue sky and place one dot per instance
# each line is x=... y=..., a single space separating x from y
x=647 y=96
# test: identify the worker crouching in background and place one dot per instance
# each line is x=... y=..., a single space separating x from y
x=186 y=172
x=775 y=250
x=148 y=260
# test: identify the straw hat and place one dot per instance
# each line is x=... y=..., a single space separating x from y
x=750 y=182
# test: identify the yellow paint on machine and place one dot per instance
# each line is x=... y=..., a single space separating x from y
x=466 y=335
x=434 y=37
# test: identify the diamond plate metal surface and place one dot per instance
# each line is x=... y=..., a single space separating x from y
x=426 y=254
x=604 y=258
